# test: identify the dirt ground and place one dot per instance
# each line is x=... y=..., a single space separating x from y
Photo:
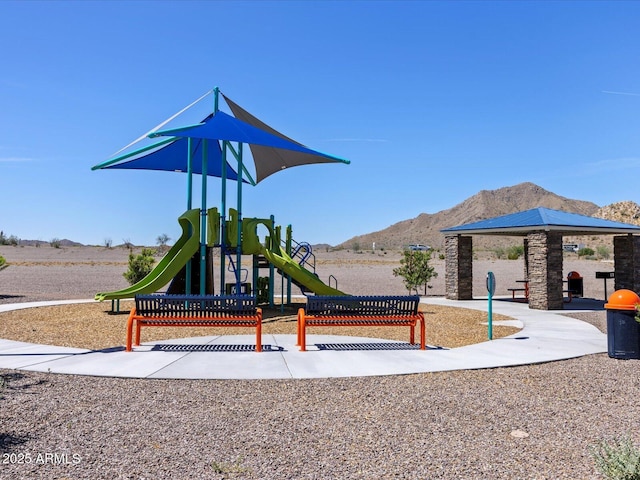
x=47 y=273
x=81 y=272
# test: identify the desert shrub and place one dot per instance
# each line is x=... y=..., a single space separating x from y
x=586 y=252
x=515 y=251
x=55 y=242
x=3 y=262
x=617 y=460
x=10 y=240
x=499 y=252
x=139 y=265
x=603 y=252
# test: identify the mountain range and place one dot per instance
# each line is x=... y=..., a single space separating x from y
x=425 y=228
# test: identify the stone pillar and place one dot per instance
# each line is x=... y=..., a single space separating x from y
x=545 y=270
x=626 y=254
x=458 y=267
x=525 y=244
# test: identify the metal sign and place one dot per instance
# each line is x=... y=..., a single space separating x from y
x=491 y=289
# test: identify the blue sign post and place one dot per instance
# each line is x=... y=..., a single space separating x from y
x=491 y=289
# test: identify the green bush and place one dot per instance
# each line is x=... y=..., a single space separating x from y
x=603 y=252
x=515 y=252
x=586 y=252
x=3 y=262
x=139 y=265
x=11 y=240
x=617 y=460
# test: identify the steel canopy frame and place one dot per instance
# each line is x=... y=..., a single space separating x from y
x=272 y=152
x=270 y=149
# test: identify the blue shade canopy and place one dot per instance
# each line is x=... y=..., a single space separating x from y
x=540 y=218
x=271 y=150
x=173 y=157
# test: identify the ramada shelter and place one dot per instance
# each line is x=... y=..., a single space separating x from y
x=542 y=230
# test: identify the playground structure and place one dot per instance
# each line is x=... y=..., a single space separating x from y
x=219 y=140
x=293 y=261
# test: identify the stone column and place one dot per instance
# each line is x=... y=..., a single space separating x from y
x=626 y=254
x=458 y=267
x=525 y=244
x=545 y=270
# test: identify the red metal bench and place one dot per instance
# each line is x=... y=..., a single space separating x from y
x=194 y=311
x=354 y=311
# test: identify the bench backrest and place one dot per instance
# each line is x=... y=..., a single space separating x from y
x=160 y=305
x=397 y=305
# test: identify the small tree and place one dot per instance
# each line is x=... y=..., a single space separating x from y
x=415 y=269
x=139 y=265
x=162 y=241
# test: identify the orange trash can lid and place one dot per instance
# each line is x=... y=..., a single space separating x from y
x=574 y=275
x=623 y=300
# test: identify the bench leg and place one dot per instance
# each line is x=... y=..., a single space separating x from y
x=302 y=334
x=259 y=333
x=130 y=322
x=423 y=337
x=138 y=328
x=301 y=340
x=412 y=334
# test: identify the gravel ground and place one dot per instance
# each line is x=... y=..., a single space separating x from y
x=531 y=422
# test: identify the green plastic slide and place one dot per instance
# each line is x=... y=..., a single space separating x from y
x=170 y=265
x=280 y=259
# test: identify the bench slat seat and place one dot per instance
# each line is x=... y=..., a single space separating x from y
x=160 y=310
x=361 y=311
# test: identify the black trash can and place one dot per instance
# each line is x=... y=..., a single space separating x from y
x=623 y=331
x=575 y=283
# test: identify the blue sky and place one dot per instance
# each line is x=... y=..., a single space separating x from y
x=430 y=101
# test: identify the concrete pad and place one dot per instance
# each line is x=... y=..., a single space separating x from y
x=546 y=336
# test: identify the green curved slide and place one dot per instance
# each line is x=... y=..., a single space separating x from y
x=280 y=259
x=170 y=265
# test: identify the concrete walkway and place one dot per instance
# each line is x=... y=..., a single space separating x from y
x=545 y=336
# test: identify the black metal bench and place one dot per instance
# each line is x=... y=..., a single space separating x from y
x=160 y=310
x=358 y=311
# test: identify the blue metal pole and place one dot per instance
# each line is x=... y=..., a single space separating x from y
x=239 y=207
x=189 y=206
x=203 y=222
x=223 y=213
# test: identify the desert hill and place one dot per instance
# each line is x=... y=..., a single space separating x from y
x=425 y=228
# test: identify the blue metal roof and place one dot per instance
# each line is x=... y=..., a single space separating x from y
x=520 y=223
